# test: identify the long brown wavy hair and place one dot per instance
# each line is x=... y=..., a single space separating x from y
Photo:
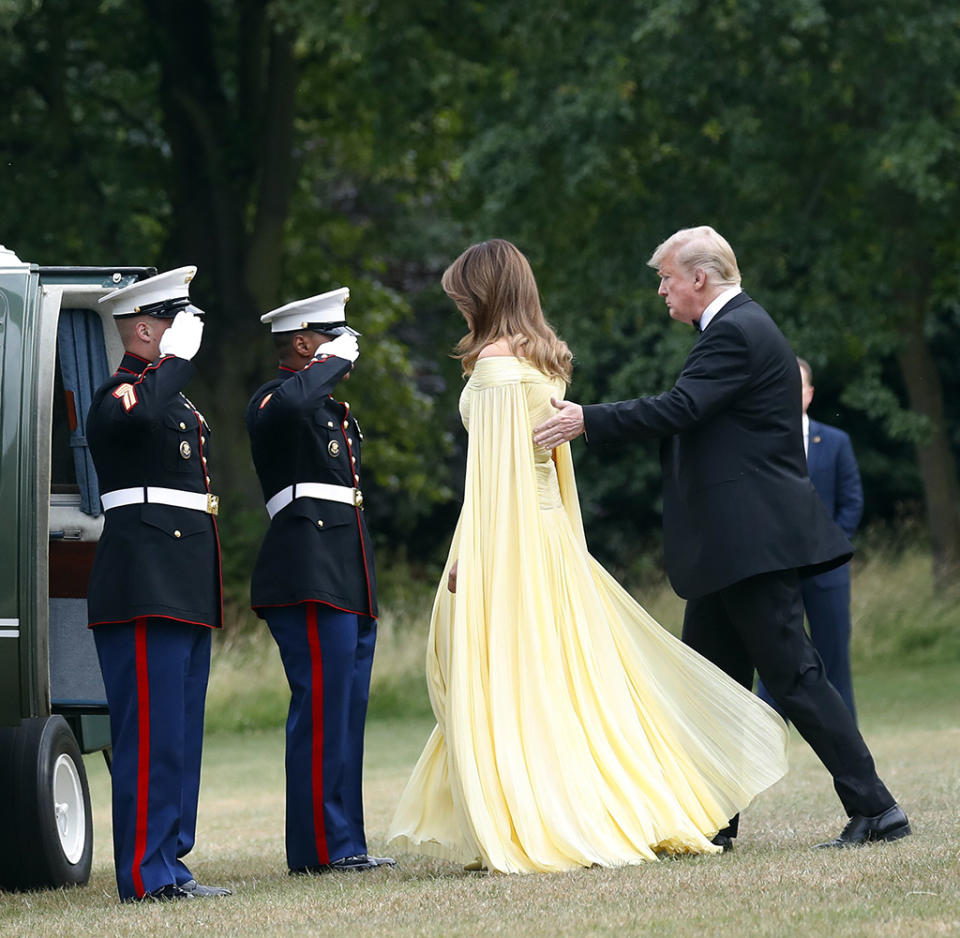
x=493 y=286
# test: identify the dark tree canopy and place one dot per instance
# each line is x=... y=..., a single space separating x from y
x=286 y=148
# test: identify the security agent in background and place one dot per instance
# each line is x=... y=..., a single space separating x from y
x=154 y=593
x=314 y=578
x=826 y=596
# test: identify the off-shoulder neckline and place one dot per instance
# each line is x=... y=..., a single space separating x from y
x=493 y=358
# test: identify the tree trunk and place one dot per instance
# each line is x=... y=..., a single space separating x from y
x=276 y=170
x=938 y=468
x=211 y=160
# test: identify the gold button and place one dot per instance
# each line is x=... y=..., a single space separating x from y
x=353 y=459
x=320 y=523
x=208 y=479
x=183 y=426
x=346 y=426
x=176 y=534
x=203 y=439
x=345 y=404
x=331 y=424
x=349 y=441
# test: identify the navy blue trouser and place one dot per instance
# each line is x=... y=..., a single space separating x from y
x=155 y=674
x=328 y=656
x=828 y=612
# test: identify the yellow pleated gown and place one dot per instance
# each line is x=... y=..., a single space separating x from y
x=571 y=728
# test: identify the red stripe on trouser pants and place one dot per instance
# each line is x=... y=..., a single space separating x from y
x=143 y=752
x=316 y=716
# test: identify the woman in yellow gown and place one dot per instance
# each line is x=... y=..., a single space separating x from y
x=571 y=728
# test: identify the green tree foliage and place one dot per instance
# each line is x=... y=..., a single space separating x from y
x=287 y=148
x=821 y=138
x=227 y=134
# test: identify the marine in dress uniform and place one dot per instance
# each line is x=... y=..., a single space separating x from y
x=154 y=593
x=314 y=579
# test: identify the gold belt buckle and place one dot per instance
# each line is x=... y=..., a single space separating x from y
x=213 y=504
x=357 y=498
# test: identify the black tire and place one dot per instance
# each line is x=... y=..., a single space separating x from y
x=44 y=807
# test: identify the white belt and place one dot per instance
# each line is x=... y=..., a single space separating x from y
x=321 y=490
x=156 y=495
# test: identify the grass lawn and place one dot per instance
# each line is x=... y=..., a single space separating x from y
x=772 y=884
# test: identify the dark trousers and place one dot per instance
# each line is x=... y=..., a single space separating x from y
x=328 y=656
x=757 y=624
x=828 y=615
x=155 y=674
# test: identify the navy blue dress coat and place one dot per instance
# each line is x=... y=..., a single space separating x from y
x=314 y=549
x=834 y=473
x=152 y=560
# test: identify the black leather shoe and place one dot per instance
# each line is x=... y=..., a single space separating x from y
x=204 y=892
x=724 y=841
x=891 y=825
x=355 y=864
x=163 y=894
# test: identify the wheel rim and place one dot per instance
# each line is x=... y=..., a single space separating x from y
x=68 y=808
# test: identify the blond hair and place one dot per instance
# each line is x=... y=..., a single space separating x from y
x=703 y=248
x=493 y=286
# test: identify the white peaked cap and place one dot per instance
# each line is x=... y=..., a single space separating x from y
x=325 y=312
x=152 y=295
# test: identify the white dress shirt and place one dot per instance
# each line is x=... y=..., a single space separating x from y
x=717 y=304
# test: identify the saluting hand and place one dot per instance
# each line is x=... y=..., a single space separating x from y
x=182 y=337
x=562 y=427
x=343 y=346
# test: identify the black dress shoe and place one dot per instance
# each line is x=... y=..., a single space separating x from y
x=891 y=825
x=204 y=892
x=724 y=841
x=163 y=894
x=355 y=864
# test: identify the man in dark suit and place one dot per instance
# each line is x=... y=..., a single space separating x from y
x=314 y=580
x=742 y=522
x=826 y=597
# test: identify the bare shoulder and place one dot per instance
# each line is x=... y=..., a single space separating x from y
x=500 y=348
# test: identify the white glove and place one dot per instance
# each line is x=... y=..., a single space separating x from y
x=343 y=346
x=183 y=336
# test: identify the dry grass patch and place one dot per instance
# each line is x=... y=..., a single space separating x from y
x=772 y=884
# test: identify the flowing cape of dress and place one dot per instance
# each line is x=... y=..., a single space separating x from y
x=572 y=729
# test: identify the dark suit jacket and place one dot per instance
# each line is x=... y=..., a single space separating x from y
x=833 y=471
x=737 y=498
